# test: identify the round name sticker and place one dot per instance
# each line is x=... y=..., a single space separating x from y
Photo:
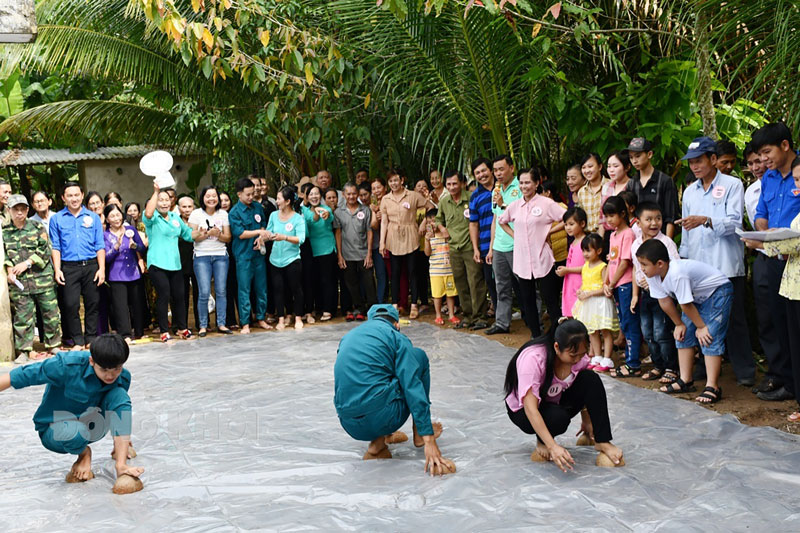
x=466 y=212
x=536 y=211
x=289 y=226
x=407 y=205
x=718 y=192
x=360 y=215
x=554 y=390
x=176 y=223
x=515 y=192
x=129 y=233
x=87 y=221
x=613 y=253
x=257 y=218
x=795 y=192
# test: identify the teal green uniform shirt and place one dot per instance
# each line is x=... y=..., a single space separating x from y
x=503 y=242
x=320 y=232
x=72 y=388
x=285 y=253
x=245 y=218
x=163 y=234
x=374 y=366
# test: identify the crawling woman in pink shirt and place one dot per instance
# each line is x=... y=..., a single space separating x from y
x=547 y=384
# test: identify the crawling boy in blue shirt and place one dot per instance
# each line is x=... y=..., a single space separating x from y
x=86 y=397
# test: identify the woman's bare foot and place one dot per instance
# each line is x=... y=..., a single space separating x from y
x=613 y=452
x=541 y=454
x=281 y=325
x=245 y=330
x=298 y=323
x=82 y=468
x=309 y=318
x=396 y=438
x=263 y=324
x=437 y=431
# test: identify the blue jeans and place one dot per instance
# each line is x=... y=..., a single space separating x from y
x=657 y=332
x=629 y=324
x=715 y=312
x=380 y=275
x=204 y=267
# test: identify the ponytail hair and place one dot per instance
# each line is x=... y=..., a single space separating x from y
x=289 y=194
x=570 y=334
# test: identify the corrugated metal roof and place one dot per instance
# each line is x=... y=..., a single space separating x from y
x=43 y=156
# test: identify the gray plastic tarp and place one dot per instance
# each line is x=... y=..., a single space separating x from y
x=240 y=433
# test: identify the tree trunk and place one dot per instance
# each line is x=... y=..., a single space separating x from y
x=705 y=96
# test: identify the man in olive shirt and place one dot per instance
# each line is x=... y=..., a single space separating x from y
x=468 y=275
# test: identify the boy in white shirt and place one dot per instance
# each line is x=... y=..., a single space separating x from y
x=705 y=296
x=656 y=325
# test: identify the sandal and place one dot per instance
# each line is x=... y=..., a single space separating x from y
x=625 y=371
x=439 y=321
x=794 y=417
x=669 y=377
x=455 y=320
x=709 y=395
x=38 y=356
x=653 y=374
x=414 y=313
x=669 y=388
x=325 y=317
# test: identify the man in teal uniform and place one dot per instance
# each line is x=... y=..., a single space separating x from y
x=248 y=221
x=379 y=379
x=86 y=397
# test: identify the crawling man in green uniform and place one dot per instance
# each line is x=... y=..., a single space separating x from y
x=86 y=397
x=380 y=379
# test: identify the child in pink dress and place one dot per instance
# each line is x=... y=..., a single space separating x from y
x=575 y=226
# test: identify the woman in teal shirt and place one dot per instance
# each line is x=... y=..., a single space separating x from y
x=164 y=228
x=288 y=230
x=319 y=227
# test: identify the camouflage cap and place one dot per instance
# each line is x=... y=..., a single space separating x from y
x=16 y=199
x=640 y=144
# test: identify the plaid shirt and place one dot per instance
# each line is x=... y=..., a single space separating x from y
x=592 y=204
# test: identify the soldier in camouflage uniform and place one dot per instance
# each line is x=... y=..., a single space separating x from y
x=28 y=265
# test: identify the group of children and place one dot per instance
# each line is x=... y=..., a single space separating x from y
x=633 y=293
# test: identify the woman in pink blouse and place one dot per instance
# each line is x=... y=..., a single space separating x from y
x=547 y=384
x=533 y=216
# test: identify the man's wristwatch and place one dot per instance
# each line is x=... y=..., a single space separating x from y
x=30 y=265
x=707 y=223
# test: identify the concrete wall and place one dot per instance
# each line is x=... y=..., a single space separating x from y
x=123 y=176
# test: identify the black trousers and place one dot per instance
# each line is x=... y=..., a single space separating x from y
x=737 y=340
x=79 y=281
x=793 y=311
x=190 y=287
x=399 y=262
x=488 y=276
x=289 y=288
x=773 y=326
x=325 y=283
x=169 y=291
x=307 y=296
x=356 y=277
x=586 y=391
x=127 y=307
x=550 y=285
x=422 y=272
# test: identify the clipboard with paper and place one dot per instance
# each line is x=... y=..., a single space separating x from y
x=777 y=234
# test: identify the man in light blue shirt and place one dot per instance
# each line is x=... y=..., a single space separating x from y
x=712 y=212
